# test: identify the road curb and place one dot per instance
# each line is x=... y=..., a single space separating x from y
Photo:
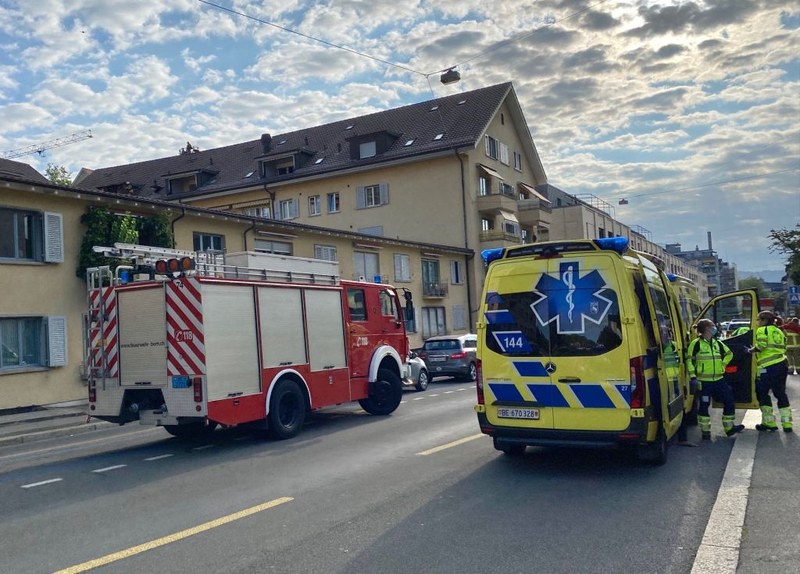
x=27 y=437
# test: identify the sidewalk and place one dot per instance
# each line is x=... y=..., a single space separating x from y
x=40 y=423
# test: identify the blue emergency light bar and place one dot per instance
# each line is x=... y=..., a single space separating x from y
x=618 y=244
x=489 y=255
x=672 y=277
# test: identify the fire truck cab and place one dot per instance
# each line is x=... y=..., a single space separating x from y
x=189 y=341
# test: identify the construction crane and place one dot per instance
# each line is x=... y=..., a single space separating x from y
x=40 y=148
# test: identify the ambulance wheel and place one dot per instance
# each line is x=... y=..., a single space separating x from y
x=655 y=453
x=386 y=394
x=511 y=449
x=287 y=410
x=422 y=380
x=191 y=430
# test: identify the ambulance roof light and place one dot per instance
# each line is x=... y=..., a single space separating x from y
x=618 y=244
x=672 y=277
x=489 y=255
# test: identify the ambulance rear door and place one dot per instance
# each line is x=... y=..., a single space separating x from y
x=741 y=372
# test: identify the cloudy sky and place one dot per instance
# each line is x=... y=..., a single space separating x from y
x=690 y=110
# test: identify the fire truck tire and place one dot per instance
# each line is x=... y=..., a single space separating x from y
x=287 y=410
x=387 y=394
x=191 y=430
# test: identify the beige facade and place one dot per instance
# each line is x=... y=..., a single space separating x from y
x=35 y=291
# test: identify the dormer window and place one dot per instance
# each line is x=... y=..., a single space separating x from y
x=367 y=149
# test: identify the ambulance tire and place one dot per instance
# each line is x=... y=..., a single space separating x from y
x=511 y=449
x=198 y=430
x=387 y=394
x=656 y=452
x=287 y=410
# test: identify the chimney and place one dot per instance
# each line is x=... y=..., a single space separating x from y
x=709 y=241
x=266 y=143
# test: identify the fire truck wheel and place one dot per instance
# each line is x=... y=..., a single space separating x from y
x=386 y=396
x=287 y=410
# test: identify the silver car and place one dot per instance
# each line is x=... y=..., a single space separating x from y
x=417 y=373
x=452 y=355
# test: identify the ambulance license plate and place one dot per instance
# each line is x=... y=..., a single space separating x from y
x=508 y=413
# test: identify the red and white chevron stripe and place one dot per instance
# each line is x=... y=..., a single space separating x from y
x=186 y=354
x=103 y=332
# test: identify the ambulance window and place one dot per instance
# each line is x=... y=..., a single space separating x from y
x=357 y=305
x=644 y=310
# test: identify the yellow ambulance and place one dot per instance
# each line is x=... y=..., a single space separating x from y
x=580 y=343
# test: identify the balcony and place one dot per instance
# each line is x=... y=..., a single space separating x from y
x=495 y=202
x=534 y=212
x=498 y=238
x=434 y=290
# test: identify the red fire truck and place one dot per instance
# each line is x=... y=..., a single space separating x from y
x=188 y=341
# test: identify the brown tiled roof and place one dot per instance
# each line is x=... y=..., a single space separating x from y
x=462 y=118
x=19 y=170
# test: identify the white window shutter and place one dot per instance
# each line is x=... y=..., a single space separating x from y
x=384 y=193
x=487 y=145
x=53 y=237
x=294 y=209
x=361 y=197
x=503 y=153
x=56 y=341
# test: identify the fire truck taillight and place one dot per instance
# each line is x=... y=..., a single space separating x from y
x=172 y=266
x=161 y=266
x=92 y=393
x=197 y=387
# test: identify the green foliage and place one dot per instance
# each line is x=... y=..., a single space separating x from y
x=756 y=283
x=58 y=174
x=787 y=241
x=106 y=228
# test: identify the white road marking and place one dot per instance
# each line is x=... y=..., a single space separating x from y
x=204 y=447
x=463 y=389
x=106 y=469
x=719 y=550
x=34 y=484
x=419 y=398
x=448 y=392
x=434 y=395
x=159 y=457
x=450 y=445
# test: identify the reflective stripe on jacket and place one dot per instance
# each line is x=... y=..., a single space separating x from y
x=707 y=360
x=771 y=343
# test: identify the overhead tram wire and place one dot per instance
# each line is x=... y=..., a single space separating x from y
x=313 y=38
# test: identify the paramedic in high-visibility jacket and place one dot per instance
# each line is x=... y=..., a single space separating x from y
x=773 y=369
x=707 y=359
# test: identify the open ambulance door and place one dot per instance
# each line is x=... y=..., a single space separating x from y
x=741 y=372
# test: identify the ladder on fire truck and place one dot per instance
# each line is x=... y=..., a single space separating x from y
x=98 y=279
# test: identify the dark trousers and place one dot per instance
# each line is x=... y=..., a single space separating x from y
x=721 y=392
x=774 y=379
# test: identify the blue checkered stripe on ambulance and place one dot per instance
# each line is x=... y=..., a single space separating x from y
x=615 y=395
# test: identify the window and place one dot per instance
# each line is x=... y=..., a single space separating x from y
x=314 y=205
x=388 y=308
x=511 y=228
x=356 y=304
x=402 y=267
x=433 y=322
x=507 y=190
x=491 y=147
x=365 y=265
x=601 y=232
x=333 y=202
x=483 y=185
x=208 y=242
x=408 y=143
x=503 y=148
x=459 y=317
x=439 y=136
x=456 y=274
x=31 y=235
x=33 y=342
x=376 y=230
x=287 y=209
x=372 y=195
x=431 y=284
x=270 y=246
x=284 y=168
x=326 y=252
x=258 y=212
x=517 y=161
x=486 y=224
x=367 y=149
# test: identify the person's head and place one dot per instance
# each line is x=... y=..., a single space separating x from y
x=795 y=321
x=766 y=318
x=779 y=321
x=706 y=328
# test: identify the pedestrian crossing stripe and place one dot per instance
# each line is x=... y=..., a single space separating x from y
x=563 y=395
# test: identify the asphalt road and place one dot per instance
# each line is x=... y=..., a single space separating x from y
x=417 y=491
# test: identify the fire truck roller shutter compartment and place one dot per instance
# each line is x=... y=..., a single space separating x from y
x=230 y=340
x=280 y=313
x=142 y=337
x=325 y=335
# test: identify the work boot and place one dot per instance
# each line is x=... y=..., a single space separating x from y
x=734 y=429
x=763 y=427
x=706 y=435
x=786 y=418
x=767 y=419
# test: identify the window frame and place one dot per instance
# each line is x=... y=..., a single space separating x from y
x=334 y=202
x=314 y=205
x=202 y=236
x=404 y=276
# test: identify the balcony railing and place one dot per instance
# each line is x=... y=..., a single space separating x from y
x=434 y=290
x=499 y=235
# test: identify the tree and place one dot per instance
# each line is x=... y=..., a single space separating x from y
x=58 y=174
x=756 y=283
x=787 y=242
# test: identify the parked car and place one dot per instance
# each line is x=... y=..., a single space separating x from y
x=417 y=375
x=733 y=326
x=452 y=355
